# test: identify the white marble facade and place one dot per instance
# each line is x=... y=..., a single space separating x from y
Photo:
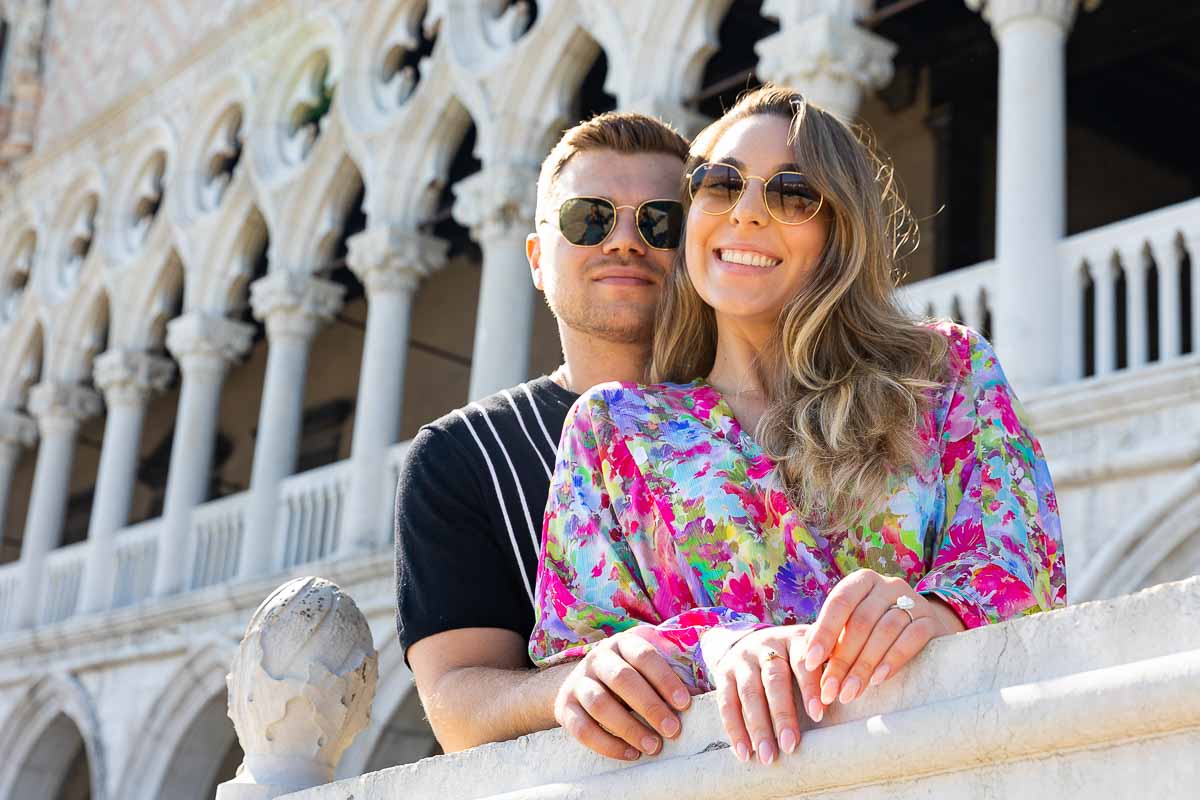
x=128 y=247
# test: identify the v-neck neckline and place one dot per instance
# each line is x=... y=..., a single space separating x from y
x=744 y=442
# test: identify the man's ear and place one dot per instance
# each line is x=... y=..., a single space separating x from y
x=533 y=252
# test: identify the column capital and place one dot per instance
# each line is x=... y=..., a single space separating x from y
x=998 y=13
x=62 y=406
x=389 y=259
x=825 y=54
x=294 y=304
x=17 y=429
x=129 y=377
x=202 y=338
x=497 y=201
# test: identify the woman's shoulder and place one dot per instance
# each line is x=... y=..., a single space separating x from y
x=630 y=406
x=967 y=350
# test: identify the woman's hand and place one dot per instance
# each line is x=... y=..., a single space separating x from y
x=754 y=682
x=863 y=639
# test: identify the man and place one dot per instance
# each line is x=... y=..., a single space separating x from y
x=475 y=482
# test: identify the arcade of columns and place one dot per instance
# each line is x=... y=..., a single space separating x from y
x=108 y=230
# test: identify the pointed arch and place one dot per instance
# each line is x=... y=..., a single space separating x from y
x=21 y=360
x=40 y=739
x=150 y=297
x=80 y=330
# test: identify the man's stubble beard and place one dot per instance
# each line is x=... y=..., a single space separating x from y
x=628 y=326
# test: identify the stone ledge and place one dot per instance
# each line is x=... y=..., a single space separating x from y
x=1075 y=700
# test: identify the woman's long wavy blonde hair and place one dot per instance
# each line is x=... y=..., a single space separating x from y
x=850 y=374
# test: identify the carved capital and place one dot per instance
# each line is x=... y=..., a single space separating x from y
x=497 y=201
x=823 y=50
x=203 y=341
x=999 y=13
x=301 y=686
x=128 y=377
x=294 y=305
x=388 y=259
x=61 y=407
x=17 y=430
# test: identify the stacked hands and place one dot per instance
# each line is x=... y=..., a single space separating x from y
x=868 y=628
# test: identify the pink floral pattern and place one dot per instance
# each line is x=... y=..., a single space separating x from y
x=665 y=517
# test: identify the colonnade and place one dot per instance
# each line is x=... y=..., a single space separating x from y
x=844 y=61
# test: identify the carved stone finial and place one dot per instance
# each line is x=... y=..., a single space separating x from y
x=300 y=689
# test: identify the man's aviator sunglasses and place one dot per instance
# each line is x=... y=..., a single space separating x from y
x=716 y=188
x=589 y=221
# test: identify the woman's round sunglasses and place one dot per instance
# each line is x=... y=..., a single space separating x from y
x=789 y=198
x=589 y=221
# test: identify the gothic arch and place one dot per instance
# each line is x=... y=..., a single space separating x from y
x=80 y=330
x=148 y=297
x=39 y=739
x=180 y=714
x=217 y=280
x=21 y=360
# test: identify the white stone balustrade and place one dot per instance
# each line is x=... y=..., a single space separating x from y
x=61 y=590
x=10 y=588
x=311 y=513
x=1096 y=700
x=964 y=295
x=215 y=540
x=136 y=557
x=300 y=689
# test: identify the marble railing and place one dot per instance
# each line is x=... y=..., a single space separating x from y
x=216 y=540
x=1116 y=280
x=310 y=513
x=137 y=555
x=64 y=577
x=1096 y=700
x=10 y=587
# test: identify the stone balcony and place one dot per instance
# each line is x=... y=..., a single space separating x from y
x=1096 y=700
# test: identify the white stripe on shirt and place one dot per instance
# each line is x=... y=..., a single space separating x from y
x=533 y=534
x=512 y=537
x=538 y=415
x=521 y=420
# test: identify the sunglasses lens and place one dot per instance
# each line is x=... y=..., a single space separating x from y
x=715 y=188
x=586 y=221
x=660 y=223
x=791 y=198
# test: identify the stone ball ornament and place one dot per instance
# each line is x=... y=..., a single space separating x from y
x=300 y=689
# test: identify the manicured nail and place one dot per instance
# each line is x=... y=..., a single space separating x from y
x=632 y=755
x=850 y=690
x=815 y=710
x=670 y=726
x=814 y=657
x=787 y=740
x=880 y=674
x=829 y=691
x=766 y=751
x=649 y=745
x=681 y=698
x=742 y=752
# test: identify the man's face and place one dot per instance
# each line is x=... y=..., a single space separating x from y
x=608 y=291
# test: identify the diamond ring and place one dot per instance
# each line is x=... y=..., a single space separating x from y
x=905 y=604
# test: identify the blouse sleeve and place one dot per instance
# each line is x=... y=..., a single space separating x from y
x=601 y=569
x=1000 y=550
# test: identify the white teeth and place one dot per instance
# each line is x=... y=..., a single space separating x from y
x=746 y=258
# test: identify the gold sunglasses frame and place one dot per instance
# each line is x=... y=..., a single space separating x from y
x=745 y=185
x=616 y=213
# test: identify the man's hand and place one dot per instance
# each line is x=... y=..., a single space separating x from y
x=621 y=675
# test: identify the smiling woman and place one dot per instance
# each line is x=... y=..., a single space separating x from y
x=819 y=485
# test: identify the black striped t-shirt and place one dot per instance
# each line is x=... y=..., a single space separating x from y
x=469 y=510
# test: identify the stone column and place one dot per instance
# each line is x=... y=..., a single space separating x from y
x=127 y=379
x=204 y=345
x=17 y=431
x=390 y=263
x=497 y=204
x=822 y=52
x=293 y=306
x=59 y=409
x=1031 y=183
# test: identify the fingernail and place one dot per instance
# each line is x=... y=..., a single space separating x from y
x=814 y=657
x=649 y=745
x=850 y=690
x=815 y=710
x=829 y=691
x=787 y=740
x=681 y=698
x=880 y=674
x=766 y=751
x=742 y=752
x=670 y=726
x=632 y=755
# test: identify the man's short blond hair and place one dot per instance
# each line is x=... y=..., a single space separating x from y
x=619 y=131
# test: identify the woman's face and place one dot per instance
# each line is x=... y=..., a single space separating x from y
x=746 y=264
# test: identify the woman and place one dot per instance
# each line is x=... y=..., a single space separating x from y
x=889 y=491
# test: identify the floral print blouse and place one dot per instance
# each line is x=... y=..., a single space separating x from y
x=666 y=516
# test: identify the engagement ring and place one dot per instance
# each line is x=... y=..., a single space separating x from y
x=905 y=604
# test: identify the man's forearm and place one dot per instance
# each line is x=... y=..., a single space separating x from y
x=469 y=706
